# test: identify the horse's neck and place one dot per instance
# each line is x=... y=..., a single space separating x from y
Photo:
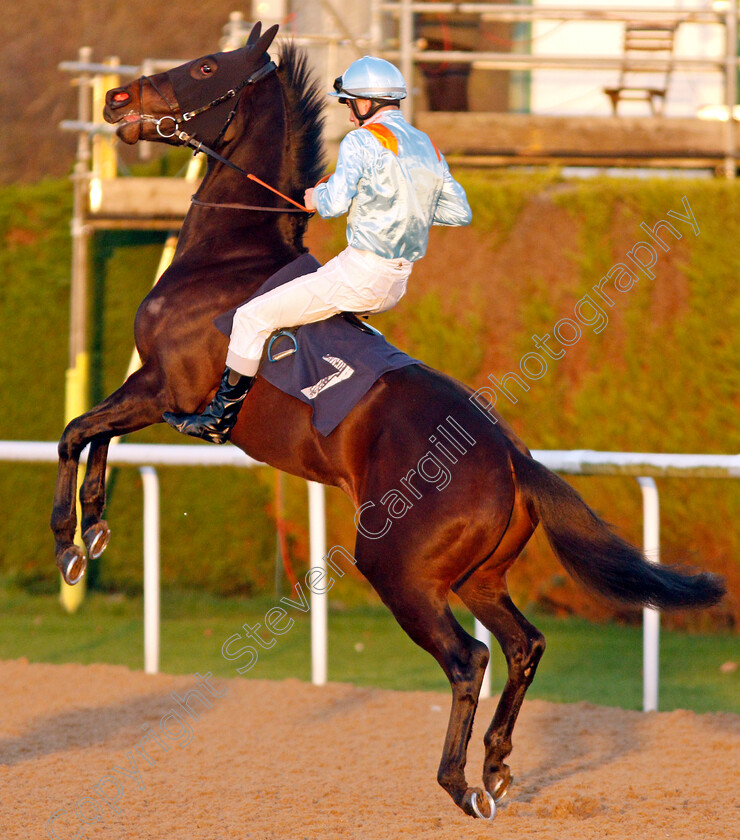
x=238 y=238
x=224 y=239
x=225 y=186
x=230 y=243
x=256 y=146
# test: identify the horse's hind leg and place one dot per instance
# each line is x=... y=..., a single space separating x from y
x=136 y=404
x=420 y=607
x=485 y=594
x=523 y=645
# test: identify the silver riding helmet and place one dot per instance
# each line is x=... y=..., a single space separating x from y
x=370 y=78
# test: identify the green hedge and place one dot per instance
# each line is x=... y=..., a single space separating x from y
x=663 y=375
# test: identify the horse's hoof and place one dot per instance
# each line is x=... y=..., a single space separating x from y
x=477 y=811
x=72 y=565
x=471 y=800
x=501 y=788
x=96 y=539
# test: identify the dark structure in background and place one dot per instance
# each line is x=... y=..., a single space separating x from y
x=461 y=86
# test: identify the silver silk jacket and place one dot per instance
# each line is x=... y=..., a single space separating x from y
x=395 y=184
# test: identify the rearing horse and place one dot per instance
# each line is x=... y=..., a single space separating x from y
x=463 y=537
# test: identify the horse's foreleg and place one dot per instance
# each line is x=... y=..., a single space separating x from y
x=95 y=530
x=523 y=646
x=69 y=558
x=138 y=403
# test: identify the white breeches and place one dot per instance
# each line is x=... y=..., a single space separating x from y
x=354 y=281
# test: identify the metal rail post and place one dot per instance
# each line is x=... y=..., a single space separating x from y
x=317 y=538
x=376 y=27
x=484 y=635
x=150 y=481
x=406 y=34
x=650 y=616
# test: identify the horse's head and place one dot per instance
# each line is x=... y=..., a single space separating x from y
x=196 y=99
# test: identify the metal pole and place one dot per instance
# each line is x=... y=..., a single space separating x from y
x=376 y=28
x=145 y=149
x=406 y=35
x=342 y=27
x=484 y=635
x=317 y=527
x=151 y=569
x=650 y=616
x=730 y=88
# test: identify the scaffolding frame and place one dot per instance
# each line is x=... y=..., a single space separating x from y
x=408 y=52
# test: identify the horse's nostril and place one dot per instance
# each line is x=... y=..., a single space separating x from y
x=118 y=98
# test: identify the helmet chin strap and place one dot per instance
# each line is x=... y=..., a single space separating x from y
x=377 y=104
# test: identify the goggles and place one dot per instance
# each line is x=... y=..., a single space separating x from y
x=338 y=88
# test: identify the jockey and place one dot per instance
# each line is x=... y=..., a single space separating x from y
x=394 y=184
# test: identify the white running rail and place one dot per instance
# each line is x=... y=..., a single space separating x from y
x=645 y=467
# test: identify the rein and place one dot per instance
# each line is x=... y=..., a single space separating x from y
x=227 y=206
x=200 y=147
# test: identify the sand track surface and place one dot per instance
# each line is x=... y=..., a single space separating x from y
x=279 y=760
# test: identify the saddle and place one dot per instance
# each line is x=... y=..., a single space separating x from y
x=290 y=345
x=329 y=365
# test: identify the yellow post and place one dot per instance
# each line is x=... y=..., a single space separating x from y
x=75 y=403
x=77 y=372
x=104 y=161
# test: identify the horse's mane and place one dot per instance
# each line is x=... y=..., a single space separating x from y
x=305 y=101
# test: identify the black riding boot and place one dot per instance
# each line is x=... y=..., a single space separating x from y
x=217 y=421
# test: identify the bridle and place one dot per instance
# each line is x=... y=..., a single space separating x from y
x=198 y=146
x=255 y=77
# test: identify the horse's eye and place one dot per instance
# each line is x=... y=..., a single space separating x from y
x=204 y=68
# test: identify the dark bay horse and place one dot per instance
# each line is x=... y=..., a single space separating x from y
x=419 y=537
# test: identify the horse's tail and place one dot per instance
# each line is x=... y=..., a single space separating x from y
x=592 y=553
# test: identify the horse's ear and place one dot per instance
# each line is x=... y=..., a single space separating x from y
x=263 y=44
x=255 y=33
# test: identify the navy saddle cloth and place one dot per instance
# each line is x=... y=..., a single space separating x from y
x=336 y=362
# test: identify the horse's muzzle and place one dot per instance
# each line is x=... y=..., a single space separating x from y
x=121 y=110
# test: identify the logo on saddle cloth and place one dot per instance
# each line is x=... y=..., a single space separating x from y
x=388 y=139
x=343 y=371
